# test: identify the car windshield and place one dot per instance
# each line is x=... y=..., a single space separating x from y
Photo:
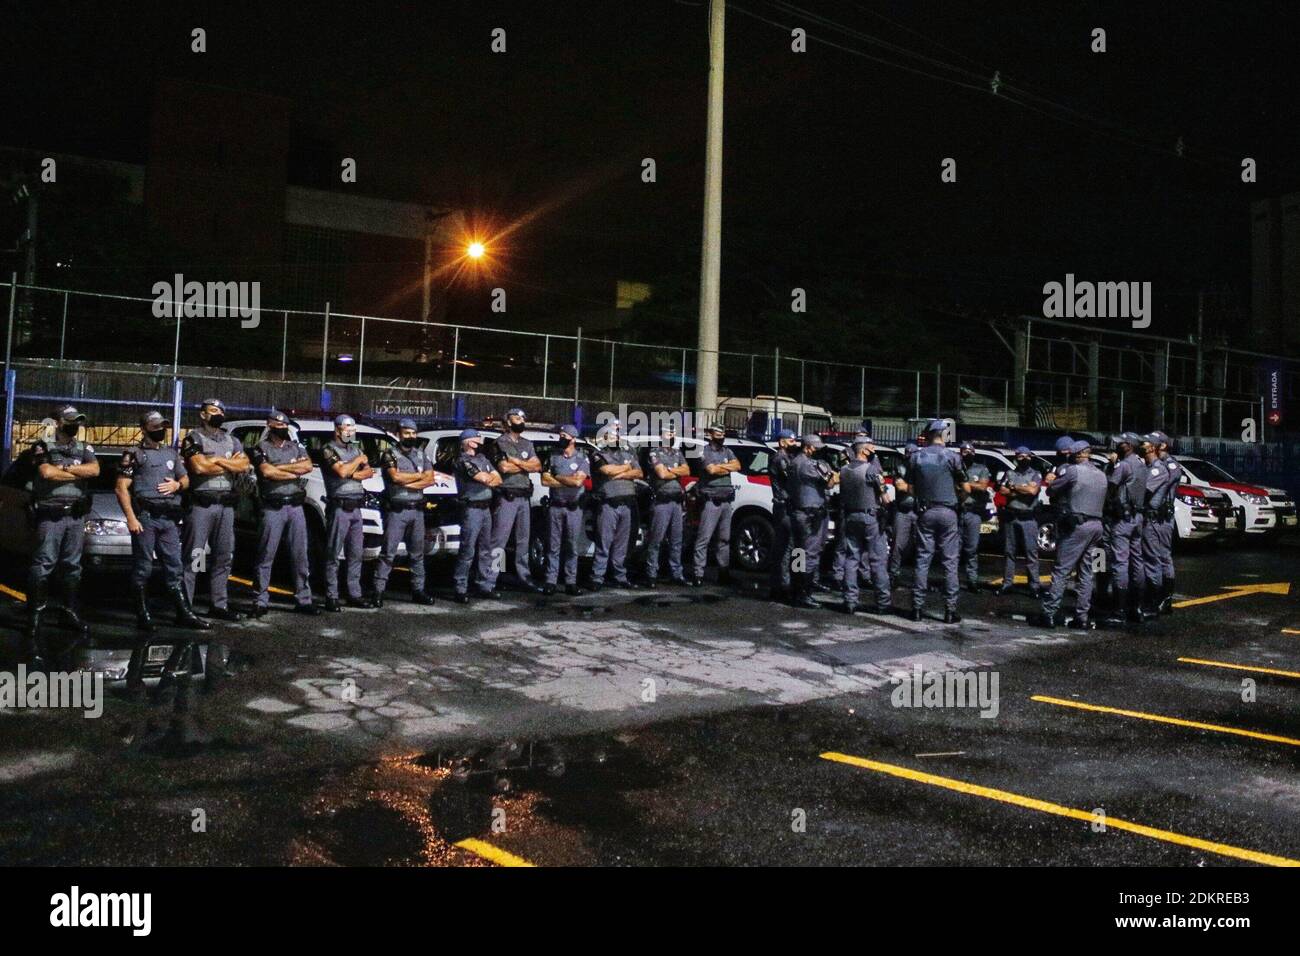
x=1205 y=470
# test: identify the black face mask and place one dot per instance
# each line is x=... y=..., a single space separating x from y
x=157 y=436
x=280 y=433
x=410 y=442
x=1022 y=462
x=216 y=421
x=517 y=427
x=71 y=430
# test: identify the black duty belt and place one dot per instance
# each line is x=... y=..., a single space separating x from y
x=477 y=504
x=510 y=494
x=566 y=505
x=620 y=500
x=206 y=498
x=286 y=501
x=819 y=510
x=159 y=509
x=865 y=512
x=404 y=505
x=62 y=509
x=346 y=504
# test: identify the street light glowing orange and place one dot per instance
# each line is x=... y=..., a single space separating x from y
x=475 y=250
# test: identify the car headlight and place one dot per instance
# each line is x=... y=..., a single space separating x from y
x=1256 y=499
x=106 y=526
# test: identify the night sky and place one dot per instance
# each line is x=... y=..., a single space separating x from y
x=832 y=159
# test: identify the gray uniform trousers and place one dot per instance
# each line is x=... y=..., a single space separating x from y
x=715 y=522
x=290 y=523
x=402 y=526
x=475 y=541
x=158 y=536
x=614 y=529
x=1125 y=546
x=666 y=520
x=1072 y=554
x=59 y=543
x=970 y=546
x=823 y=538
x=1157 y=552
x=808 y=531
x=936 y=532
x=1022 y=530
x=904 y=543
x=565 y=525
x=344 y=538
x=514 y=515
x=863 y=546
x=214 y=526
x=780 y=546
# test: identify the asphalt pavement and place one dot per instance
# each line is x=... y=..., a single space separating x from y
x=707 y=726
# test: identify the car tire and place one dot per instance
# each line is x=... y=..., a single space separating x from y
x=752 y=539
x=1046 y=540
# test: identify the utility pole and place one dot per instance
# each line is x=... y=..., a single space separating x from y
x=706 y=361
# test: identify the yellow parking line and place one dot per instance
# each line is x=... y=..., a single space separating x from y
x=1023 y=579
x=1160 y=718
x=1240 y=667
x=12 y=593
x=493 y=853
x=1004 y=796
x=248 y=583
x=1290 y=630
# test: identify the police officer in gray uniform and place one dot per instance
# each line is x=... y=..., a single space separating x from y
x=150 y=480
x=282 y=464
x=61 y=501
x=475 y=479
x=344 y=466
x=214 y=461
x=667 y=468
x=974 y=497
x=778 y=473
x=934 y=472
x=862 y=540
x=565 y=473
x=716 y=493
x=1164 y=475
x=903 y=520
x=1126 y=475
x=809 y=480
x=515 y=459
x=407 y=470
x=1081 y=488
x=615 y=473
x=1019 y=520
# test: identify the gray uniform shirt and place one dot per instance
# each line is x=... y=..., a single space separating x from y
x=670 y=458
x=859 y=486
x=1128 y=477
x=977 y=501
x=933 y=475
x=717 y=487
x=1022 y=478
x=778 y=473
x=148 y=466
x=335 y=486
x=613 y=487
x=1082 y=488
x=467 y=466
x=511 y=446
x=61 y=454
x=409 y=461
x=561 y=465
x=211 y=443
x=282 y=454
x=808 y=480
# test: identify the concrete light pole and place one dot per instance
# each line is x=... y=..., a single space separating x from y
x=706 y=363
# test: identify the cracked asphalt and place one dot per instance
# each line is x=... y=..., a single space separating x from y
x=702 y=726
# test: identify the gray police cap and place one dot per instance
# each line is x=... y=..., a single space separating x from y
x=936 y=425
x=277 y=416
x=785 y=433
x=214 y=402
x=1064 y=442
x=812 y=441
x=342 y=420
x=152 y=420
x=1022 y=450
x=1080 y=446
x=407 y=423
x=469 y=433
x=68 y=413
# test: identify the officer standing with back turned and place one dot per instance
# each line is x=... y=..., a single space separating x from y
x=934 y=472
x=1126 y=475
x=407 y=470
x=61 y=500
x=778 y=472
x=809 y=480
x=1080 y=487
x=282 y=464
x=974 y=508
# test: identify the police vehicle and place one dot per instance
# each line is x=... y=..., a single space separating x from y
x=1257 y=513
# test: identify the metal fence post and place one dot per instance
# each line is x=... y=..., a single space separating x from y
x=324 y=346
x=178 y=389
x=284 y=345
x=7 y=440
x=751 y=379
x=455 y=360
x=361 y=351
x=917 y=413
x=681 y=399
x=577 y=366
x=546 y=362
x=862 y=392
x=612 y=346
x=63 y=329
x=9 y=333
x=176 y=350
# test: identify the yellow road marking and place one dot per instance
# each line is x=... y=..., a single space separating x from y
x=1160 y=718
x=12 y=593
x=1239 y=667
x=1290 y=630
x=1023 y=579
x=248 y=583
x=1004 y=796
x=493 y=853
x=1236 y=591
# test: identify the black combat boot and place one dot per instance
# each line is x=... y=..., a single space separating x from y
x=1166 y=605
x=951 y=617
x=420 y=597
x=72 y=607
x=143 y=619
x=185 y=616
x=37 y=601
x=803 y=591
x=1081 y=622
x=1117 y=616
